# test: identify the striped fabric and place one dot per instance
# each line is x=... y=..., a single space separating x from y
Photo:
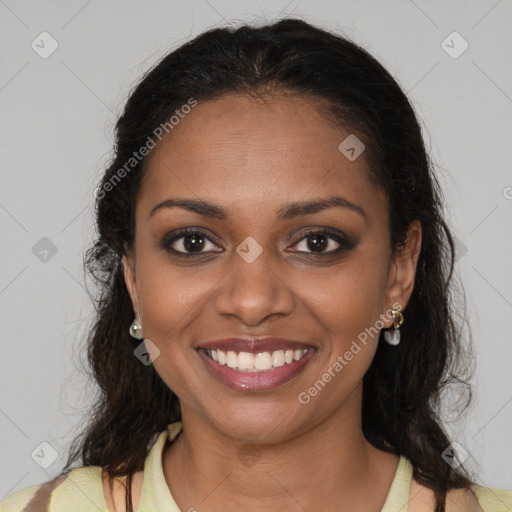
x=41 y=499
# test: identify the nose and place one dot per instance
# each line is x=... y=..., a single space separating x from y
x=253 y=291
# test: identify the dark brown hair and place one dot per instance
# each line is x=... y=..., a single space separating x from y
x=402 y=388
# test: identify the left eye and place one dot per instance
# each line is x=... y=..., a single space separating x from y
x=320 y=241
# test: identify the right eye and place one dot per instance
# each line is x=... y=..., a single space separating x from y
x=187 y=242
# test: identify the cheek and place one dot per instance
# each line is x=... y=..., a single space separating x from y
x=170 y=294
x=348 y=303
x=348 y=298
x=172 y=299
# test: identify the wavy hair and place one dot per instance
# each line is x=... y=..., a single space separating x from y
x=402 y=389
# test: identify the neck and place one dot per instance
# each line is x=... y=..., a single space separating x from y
x=206 y=470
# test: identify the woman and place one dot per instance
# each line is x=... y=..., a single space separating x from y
x=274 y=325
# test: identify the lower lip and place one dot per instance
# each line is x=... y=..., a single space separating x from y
x=255 y=381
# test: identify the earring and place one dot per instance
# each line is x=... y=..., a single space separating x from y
x=393 y=336
x=136 y=330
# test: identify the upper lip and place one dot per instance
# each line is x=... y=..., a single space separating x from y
x=255 y=344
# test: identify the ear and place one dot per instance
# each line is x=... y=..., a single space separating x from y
x=128 y=261
x=402 y=270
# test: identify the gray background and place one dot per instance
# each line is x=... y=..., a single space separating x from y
x=56 y=128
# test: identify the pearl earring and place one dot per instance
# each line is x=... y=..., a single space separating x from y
x=136 y=330
x=393 y=336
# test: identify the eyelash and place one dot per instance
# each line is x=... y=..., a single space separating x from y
x=344 y=243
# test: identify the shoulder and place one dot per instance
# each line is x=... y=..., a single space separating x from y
x=479 y=499
x=493 y=499
x=79 y=487
x=18 y=500
x=462 y=500
x=476 y=499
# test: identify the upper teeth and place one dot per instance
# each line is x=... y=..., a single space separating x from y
x=246 y=361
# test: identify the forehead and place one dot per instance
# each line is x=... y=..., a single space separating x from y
x=253 y=152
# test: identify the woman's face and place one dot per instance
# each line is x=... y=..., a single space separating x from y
x=256 y=271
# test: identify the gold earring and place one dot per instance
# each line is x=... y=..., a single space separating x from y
x=393 y=336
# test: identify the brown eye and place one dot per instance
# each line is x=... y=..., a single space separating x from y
x=188 y=242
x=324 y=241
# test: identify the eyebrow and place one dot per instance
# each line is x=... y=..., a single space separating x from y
x=286 y=212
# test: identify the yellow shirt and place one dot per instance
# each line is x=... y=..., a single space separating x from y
x=82 y=490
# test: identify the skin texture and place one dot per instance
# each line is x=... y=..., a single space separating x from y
x=252 y=157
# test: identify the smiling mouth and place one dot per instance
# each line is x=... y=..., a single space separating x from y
x=248 y=362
